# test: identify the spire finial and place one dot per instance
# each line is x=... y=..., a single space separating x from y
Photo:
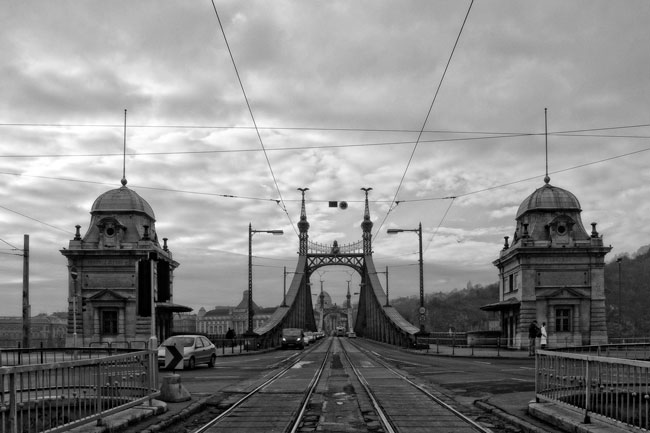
x=303 y=225
x=366 y=213
x=366 y=226
x=303 y=211
x=124 y=154
x=546 y=178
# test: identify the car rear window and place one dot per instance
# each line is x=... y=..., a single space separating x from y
x=183 y=341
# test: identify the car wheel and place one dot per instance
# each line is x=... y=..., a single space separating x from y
x=191 y=363
x=213 y=359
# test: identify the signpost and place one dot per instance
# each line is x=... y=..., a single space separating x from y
x=174 y=357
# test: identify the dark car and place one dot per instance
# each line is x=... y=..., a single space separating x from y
x=197 y=349
x=292 y=337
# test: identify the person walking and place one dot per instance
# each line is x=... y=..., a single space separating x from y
x=543 y=339
x=533 y=330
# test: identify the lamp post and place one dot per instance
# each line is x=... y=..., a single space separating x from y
x=386 y=272
x=620 y=330
x=250 y=272
x=422 y=310
x=284 y=289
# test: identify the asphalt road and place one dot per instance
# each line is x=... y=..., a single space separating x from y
x=463 y=379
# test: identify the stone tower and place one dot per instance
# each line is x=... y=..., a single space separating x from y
x=114 y=268
x=553 y=272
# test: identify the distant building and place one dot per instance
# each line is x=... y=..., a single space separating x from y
x=553 y=272
x=46 y=330
x=218 y=320
x=184 y=323
x=113 y=271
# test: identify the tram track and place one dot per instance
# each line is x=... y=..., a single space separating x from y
x=270 y=406
x=335 y=385
x=394 y=403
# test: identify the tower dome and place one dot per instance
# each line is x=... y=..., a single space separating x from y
x=549 y=198
x=121 y=200
x=550 y=214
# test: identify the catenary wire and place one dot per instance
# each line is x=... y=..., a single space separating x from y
x=12 y=246
x=35 y=219
x=292 y=148
x=289 y=128
x=250 y=111
x=426 y=118
x=232 y=196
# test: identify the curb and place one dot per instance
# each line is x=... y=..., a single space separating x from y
x=521 y=423
x=169 y=419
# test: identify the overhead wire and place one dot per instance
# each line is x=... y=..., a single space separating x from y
x=250 y=111
x=35 y=219
x=279 y=128
x=426 y=119
x=329 y=146
x=12 y=246
x=452 y=198
x=234 y=196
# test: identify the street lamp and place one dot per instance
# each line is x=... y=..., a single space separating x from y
x=386 y=272
x=250 y=272
x=422 y=310
x=620 y=330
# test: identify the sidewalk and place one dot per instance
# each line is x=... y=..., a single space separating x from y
x=520 y=408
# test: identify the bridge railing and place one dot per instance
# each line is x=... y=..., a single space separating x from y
x=14 y=357
x=611 y=389
x=352 y=248
x=640 y=351
x=58 y=396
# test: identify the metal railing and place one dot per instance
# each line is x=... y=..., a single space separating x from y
x=351 y=248
x=58 y=396
x=458 y=344
x=639 y=351
x=15 y=356
x=611 y=389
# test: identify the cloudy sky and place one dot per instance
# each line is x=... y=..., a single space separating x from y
x=345 y=95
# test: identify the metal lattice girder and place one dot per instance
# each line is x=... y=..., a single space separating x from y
x=315 y=261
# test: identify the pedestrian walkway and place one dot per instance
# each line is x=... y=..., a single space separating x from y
x=521 y=408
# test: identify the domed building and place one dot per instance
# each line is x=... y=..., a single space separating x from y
x=552 y=272
x=113 y=270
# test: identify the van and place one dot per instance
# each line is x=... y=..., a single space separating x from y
x=292 y=337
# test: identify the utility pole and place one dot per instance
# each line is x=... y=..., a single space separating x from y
x=26 y=307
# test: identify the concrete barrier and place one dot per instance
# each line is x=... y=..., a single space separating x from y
x=172 y=390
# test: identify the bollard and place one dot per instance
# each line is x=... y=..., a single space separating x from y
x=172 y=390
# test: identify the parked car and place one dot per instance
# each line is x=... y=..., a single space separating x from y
x=292 y=337
x=197 y=349
x=352 y=334
x=309 y=337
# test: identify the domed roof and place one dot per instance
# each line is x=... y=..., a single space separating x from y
x=121 y=200
x=549 y=198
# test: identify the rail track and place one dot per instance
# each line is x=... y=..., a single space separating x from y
x=336 y=385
